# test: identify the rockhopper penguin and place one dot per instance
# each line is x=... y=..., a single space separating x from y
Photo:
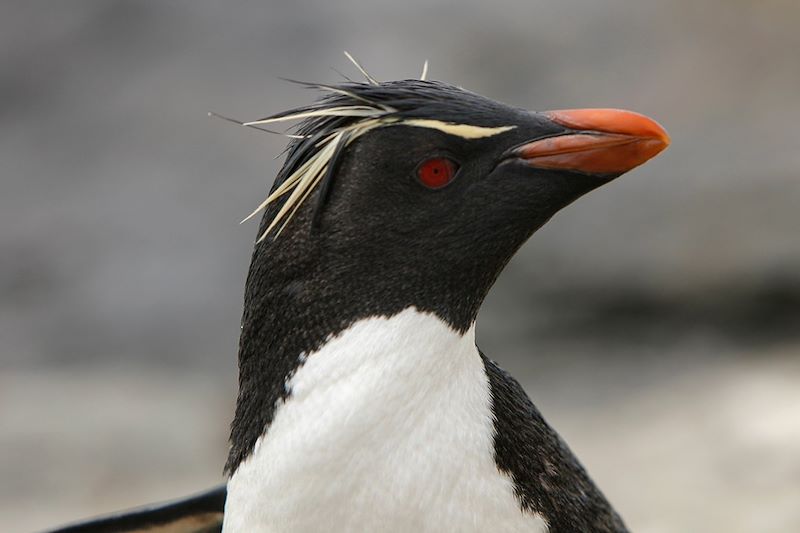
x=364 y=403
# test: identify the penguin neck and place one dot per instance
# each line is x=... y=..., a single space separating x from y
x=294 y=304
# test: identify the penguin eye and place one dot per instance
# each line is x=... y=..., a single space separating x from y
x=437 y=172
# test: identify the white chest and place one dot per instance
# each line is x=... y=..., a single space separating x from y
x=388 y=428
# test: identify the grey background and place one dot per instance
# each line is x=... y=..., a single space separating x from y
x=656 y=322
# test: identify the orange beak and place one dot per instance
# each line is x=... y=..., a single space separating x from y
x=604 y=142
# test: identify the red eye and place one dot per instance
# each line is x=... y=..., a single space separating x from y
x=437 y=172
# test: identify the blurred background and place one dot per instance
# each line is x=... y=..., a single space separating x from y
x=656 y=322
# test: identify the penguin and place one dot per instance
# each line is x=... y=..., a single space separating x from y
x=364 y=402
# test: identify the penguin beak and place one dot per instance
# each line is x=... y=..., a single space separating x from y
x=601 y=142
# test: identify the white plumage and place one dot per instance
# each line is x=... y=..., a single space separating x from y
x=388 y=428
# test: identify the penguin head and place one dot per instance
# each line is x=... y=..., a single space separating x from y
x=433 y=186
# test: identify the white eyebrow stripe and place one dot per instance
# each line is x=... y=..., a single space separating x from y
x=465 y=131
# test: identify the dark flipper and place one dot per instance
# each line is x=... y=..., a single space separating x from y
x=547 y=477
x=201 y=513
